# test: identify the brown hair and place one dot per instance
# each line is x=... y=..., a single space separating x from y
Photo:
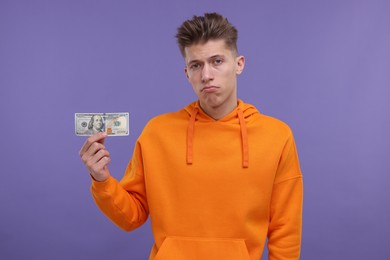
x=200 y=29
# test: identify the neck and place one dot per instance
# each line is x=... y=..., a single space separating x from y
x=218 y=112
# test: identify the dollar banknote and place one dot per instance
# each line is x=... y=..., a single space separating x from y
x=115 y=124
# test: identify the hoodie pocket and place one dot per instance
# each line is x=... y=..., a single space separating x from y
x=188 y=248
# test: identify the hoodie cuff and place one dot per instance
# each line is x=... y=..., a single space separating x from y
x=102 y=185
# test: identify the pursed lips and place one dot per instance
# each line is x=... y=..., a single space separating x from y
x=209 y=89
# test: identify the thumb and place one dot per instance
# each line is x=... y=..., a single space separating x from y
x=103 y=136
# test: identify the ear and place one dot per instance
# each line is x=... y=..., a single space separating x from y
x=240 y=62
x=186 y=72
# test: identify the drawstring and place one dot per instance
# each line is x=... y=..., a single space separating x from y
x=244 y=139
x=190 y=135
x=243 y=130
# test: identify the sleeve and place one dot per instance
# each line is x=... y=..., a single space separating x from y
x=285 y=227
x=124 y=202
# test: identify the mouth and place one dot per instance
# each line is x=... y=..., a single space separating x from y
x=209 y=89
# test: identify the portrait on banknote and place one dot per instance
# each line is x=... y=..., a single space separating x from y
x=96 y=124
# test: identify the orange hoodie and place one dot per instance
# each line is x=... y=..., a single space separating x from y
x=214 y=189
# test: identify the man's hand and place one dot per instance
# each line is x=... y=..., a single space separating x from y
x=95 y=157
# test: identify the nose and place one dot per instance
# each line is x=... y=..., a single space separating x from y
x=207 y=73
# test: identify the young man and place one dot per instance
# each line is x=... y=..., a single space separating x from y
x=216 y=177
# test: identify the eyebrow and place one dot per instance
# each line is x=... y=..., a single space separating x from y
x=209 y=58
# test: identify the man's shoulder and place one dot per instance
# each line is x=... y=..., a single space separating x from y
x=167 y=119
x=273 y=124
x=164 y=125
x=273 y=121
x=257 y=118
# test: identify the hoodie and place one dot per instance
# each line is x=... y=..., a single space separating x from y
x=214 y=189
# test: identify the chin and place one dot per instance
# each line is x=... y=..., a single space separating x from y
x=213 y=102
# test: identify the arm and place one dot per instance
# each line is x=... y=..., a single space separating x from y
x=285 y=228
x=124 y=203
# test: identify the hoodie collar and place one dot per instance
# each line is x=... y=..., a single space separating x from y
x=240 y=115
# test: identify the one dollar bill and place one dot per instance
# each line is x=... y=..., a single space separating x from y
x=115 y=124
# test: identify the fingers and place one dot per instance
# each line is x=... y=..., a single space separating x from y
x=101 y=164
x=95 y=156
x=96 y=163
x=93 y=149
x=98 y=167
x=97 y=138
x=99 y=170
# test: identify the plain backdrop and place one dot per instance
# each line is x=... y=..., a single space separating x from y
x=320 y=66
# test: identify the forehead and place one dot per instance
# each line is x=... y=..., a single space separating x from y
x=203 y=51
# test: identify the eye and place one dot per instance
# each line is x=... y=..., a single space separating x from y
x=194 y=66
x=218 y=61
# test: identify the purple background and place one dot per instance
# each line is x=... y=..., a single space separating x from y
x=320 y=66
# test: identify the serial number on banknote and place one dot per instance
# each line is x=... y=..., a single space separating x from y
x=115 y=124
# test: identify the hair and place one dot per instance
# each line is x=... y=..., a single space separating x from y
x=200 y=29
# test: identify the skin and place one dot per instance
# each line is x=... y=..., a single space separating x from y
x=212 y=69
x=95 y=157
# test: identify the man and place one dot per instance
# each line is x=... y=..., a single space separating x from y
x=216 y=177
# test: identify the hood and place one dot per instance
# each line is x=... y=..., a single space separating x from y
x=240 y=115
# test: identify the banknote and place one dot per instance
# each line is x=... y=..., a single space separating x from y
x=115 y=124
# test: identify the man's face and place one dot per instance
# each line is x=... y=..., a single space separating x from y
x=97 y=122
x=212 y=70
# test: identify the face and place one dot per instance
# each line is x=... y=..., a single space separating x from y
x=97 y=122
x=212 y=69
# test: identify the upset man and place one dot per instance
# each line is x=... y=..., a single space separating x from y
x=217 y=177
